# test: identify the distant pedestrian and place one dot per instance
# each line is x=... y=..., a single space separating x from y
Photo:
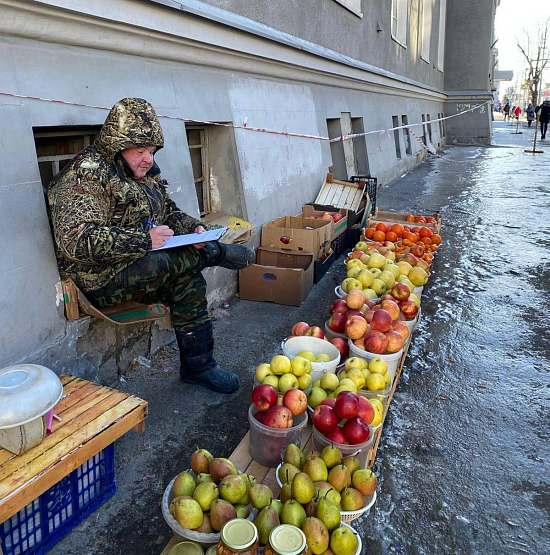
x=530 y=113
x=506 y=111
x=544 y=117
x=517 y=112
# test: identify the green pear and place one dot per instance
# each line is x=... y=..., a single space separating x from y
x=317 y=535
x=265 y=522
x=365 y=481
x=287 y=472
x=286 y=492
x=352 y=499
x=313 y=455
x=324 y=489
x=242 y=511
x=343 y=541
x=294 y=456
x=260 y=496
x=352 y=463
x=187 y=512
x=316 y=469
x=232 y=488
x=203 y=477
x=328 y=514
x=293 y=513
x=302 y=488
x=205 y=494
x=184 y=484
x=277 y=505
x=339 y=477
x=332 y=456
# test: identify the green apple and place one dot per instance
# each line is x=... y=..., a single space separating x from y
x=387 y=278
x=272 y=380
x=361 y=246
x=316 y=383
x=377 y=365
x=366 y=278
x=353 y=272
x=375 y=272
x=376 y=260
x=370 y=294
x=300 y=366
x=329 y=381
x=394 y=269
x=262 y=371
x=288 y=381
x=316 y=395
x=347 y=382
x=308 y=355
x=304 y=381
x=379 y=287
x=322 y=357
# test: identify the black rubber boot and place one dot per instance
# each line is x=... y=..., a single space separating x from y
x=197 y=361
x=232 y=257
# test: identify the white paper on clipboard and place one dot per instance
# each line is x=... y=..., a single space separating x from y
x=192 y=238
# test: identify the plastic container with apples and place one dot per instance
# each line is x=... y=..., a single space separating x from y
x=284 y=374
x=327 y=355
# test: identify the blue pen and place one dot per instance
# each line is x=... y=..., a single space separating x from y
x=151 y=224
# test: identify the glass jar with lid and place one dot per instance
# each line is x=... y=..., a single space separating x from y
x=238 y=537
x=286 y=540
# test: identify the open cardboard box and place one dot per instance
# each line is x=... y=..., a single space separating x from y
x=311 y=236
x=278 y=275
x=316 y=210
x=238 y=231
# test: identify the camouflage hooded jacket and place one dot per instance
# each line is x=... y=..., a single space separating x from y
x=99 y=212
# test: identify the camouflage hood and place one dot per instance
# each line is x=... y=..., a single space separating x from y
x=131 y=122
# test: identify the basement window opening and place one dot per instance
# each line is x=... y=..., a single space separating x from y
x=406 y=135
x=197 y=140
x=395 y=123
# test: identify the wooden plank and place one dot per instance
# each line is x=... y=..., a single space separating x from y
x=73 y=426
x=68 y=401
x=140 y=428
x=257 y=470
x=39 y=484
x=66 y=378
x=54 y=455
x=73 y=386
x=80 y=405
x=241 y=457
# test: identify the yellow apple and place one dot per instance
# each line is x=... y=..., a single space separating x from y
x=262 y=371
x=387 y=378
x=329 y=381
x=300 y=366
x=280 y=364
x=404 y=267
x=287 y=381
x=346 y=382
x=335 y=394
x=353 y=272
x=414 y=298
x=379 y=287
x=376 y=260
x=365 y=259
x=375 y=272
x=272 y=380
x=308 y=355
x=355 y=362
x=387 y=277
x=366 y=278
x=418 y=276
x=376 y=382
x=377 y=365
x=304 y=381
x=370 y=294
x=394 y=269
x=407 y=282
x=366 y=373
x=357 y=377
x=377 y=404
x=377 y=418
x=322 y=357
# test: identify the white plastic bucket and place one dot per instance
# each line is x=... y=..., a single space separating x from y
x=413 y=323
x=392 y=360
x=293 y=345
x=418 y=291
x=361 y=450
x=267 y=443
x=339 y=292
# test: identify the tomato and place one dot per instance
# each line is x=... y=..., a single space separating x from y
x=412 y=237
x=427 y=240
x=415 y=229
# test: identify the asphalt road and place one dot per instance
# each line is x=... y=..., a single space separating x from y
x=464 y=459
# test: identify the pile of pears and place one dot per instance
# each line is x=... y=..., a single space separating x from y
x=215 y=494
x=315 y=490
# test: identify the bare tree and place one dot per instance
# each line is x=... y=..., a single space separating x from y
x=536 y=53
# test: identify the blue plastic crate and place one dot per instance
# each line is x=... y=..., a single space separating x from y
x=50 y=517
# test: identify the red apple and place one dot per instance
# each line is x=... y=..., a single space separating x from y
x=417 y=251
x=337 y=217
x=296 y=401
x=370 y=303
x=356 y=327
x=324 y=419
x=357 y=254
x=385 y=297
x=395 y=341
x=264 y=397
x=381 y=320
x=315 y=331
x=342 y=346
x=400 y=292
x=409 y=309
x=391 y=308
x=356 y=431
x=327 y=216
x=400 y=327
x=300 y=328
x=260 y=417
x=347 y=405
x=368 y=315
x=339 y=305
x=279 y=417
x=337 y=322
x=337 y=436
x=329 y=402
x=354 y=312
x=375 y=342
x=366 y=410
x=411 y=259
x=285 y=240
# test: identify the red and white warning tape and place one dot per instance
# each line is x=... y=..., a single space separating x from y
x=246 y=127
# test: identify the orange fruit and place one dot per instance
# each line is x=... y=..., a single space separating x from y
x=369 y=233
x=398 y=229
x=409 y=218
x=379 y=236
x=426 y=232
x=436 y=239
x=383 y=227
x=391 y=236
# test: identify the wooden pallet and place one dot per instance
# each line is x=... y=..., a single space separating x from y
x=341 y=194
x=92 y=417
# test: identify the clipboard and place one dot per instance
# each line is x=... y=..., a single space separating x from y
x=192 y=238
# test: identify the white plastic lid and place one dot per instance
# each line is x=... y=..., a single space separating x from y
x=27 y=391
x=287 y=540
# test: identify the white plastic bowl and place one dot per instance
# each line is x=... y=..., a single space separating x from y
x=339 y=292
x=350 y=516
x=293 y=345
x=392 y=360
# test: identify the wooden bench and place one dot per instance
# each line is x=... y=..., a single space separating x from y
x=128 y=312
x=243 y=461
x=92 y=417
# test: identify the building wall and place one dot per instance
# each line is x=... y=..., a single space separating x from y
x=191 y=68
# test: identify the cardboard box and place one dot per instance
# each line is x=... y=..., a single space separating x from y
x=318 y=210
x=343 y=194
x=239 y=231
x=305 y=235
x=321 y=267
x=280 y=276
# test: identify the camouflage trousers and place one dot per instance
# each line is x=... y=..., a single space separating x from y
x=171 y=276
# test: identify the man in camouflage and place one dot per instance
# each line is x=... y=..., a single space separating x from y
x=101 y=206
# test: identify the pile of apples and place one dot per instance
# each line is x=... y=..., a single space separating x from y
x=344 y=420
x=273 y=413
x=334 y=216
x=315 y=490
x=284 y=374
x=303 y=328
x=213 y=494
